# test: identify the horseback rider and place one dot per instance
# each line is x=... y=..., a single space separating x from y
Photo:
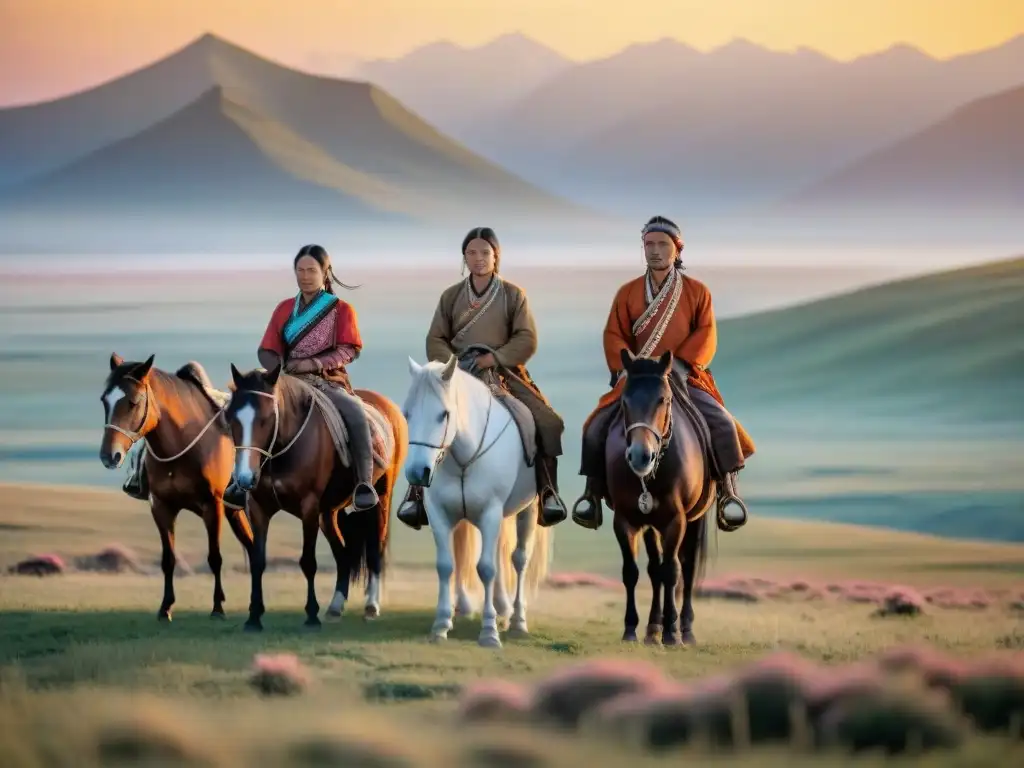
x=664 y=310
x=487 y=323
x=316 y=335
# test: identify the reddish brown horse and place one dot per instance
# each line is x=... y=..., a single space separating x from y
x=658 y=483
x=189 y=456
x=286 y=459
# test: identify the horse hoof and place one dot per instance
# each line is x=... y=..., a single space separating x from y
x=437 y=638
x=312 y=624
x=334 y=613
x=671 y=640
x=253 y=626
x=651 y=639
x=371 y=612
x=629 y=636
x=518 y=632
x=215 y=614
x=689 y=639
x=164 y=617
x=490 y=640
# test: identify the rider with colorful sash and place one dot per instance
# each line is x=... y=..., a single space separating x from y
x=316 y=335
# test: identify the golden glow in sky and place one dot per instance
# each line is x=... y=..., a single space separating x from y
x=68 y=40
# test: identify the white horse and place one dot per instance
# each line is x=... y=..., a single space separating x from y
x=466 y=450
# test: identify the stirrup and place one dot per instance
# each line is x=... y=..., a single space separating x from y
x=724 y=524
x=592 y=518
x=412 y=513
x=551 y=515
x=368 y=491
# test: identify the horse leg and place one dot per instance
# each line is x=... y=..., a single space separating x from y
x=374 y=561
x=441 y=528
x=502 y=564
x=690 y=554
x=526 y=527
x=240 y=527
x=490 y=529
x=630 y=576
x=165 y=518
x=213 y=518
x=341 y=562
x=260 y=521
x=310 y=528
x=654 y=567
x=463 y=537
x=671 y=540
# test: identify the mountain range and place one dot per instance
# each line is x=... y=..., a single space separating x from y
x=216 y=147
x=662 y=126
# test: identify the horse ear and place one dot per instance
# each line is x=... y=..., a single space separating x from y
x=627 y=358
x=665 y=361
x=414 y=367
x=236 y=375
x=143 y=369
x=272 y=377
x=449 y=368
x=115 y=360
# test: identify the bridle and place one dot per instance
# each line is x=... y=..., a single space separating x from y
x=663 y=438
x=140 y=433
x=444 y=449
x=266 y=452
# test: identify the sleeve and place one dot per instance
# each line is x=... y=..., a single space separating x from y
x=618 y=331
x=522 y=342
x=348 y=342
x=439 y=335
x=700 y=345
x=272 y=340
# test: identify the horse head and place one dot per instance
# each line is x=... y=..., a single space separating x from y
x=428 y=409
x=647 y=410
x=254 y=418
x=129 y=410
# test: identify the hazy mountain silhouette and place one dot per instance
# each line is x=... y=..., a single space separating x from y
x=706 y=131
x=972 y=162
x=454 y=86
x=262 y=146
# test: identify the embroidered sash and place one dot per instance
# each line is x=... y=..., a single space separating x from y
x=302 y=321
x=650 y=327
x=470 y=316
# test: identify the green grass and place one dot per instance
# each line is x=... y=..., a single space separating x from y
x=81 y=654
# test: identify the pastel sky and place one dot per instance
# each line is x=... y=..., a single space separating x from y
x=52 y=47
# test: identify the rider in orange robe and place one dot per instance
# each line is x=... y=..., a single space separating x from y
x=664 y=310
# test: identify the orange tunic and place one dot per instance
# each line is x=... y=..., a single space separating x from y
x=691 y=334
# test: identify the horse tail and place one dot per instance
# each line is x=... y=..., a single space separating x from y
x=354 y=529
x=540 y=560
x=466 y=545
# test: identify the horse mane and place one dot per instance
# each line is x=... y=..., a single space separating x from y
x=194 y=373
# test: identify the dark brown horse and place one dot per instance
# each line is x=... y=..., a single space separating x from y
x=286 y=459
x=189 y=456
x=658 y=483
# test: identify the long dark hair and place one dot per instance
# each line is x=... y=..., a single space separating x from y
x=319 y=254
x=486 y=234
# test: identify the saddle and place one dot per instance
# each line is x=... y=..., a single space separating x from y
x=194 y=373
x=380 y=429
x=520 y=414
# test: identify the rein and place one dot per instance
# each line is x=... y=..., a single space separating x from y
x=663 y=438
x=444 y=449
x=266 y=453
x=138 y=434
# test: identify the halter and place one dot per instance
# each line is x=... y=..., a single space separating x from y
x=664 y=439
x=444 y=448
x=268 y=456
x=136 y=435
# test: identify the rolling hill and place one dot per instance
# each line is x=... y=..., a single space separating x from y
x=722 y=130
x=249 y=148
x=970 y=162
x=948 y=346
